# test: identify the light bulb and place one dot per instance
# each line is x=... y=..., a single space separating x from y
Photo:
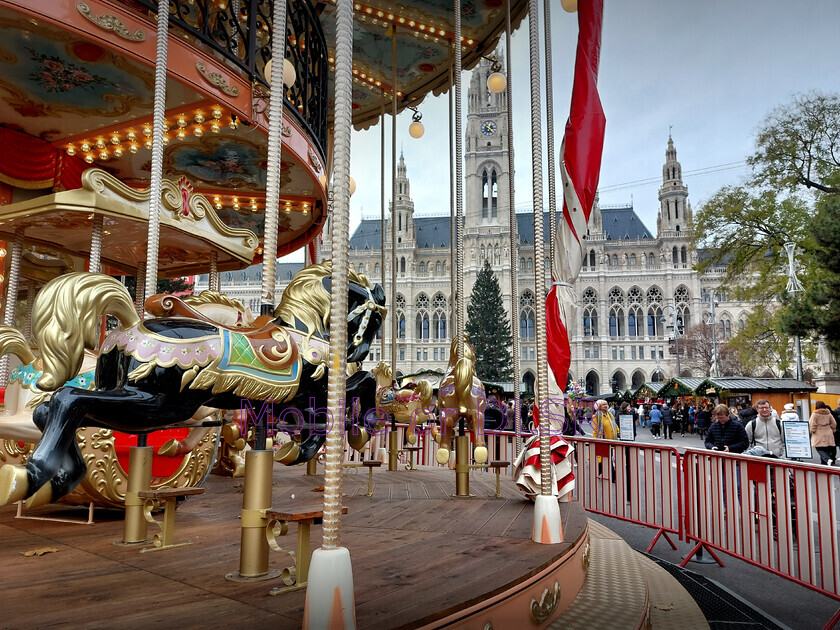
x=199 y=118
x=416 y=130
x=569 y=5
x=198 y=131
x=71 y=150
x=118 y=151
x=131 y=136
x=85 y=147
x=100 y=143
x=132 y=147
x=352 y=186
x=103 y=155
x=289 y=73
x=214 y=127
x=496 y=82
x=182 y=122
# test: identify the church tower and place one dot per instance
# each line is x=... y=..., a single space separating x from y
x=486 y=179
x=674 y=209
x=404 y=205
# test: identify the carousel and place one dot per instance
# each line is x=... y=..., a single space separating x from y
x=149 y=140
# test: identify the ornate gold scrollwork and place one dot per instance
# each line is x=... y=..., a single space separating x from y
x=216 y=80
x=316 y=163
x=276 y=528
x=286 y=131
x=110 y=23
x=541 y=611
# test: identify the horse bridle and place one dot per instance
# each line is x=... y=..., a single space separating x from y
x=368 y=307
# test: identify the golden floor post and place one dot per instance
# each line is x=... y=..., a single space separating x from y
x=256 y=501
x=393 y=450
x=139 y=479
x=312 y=466
x=462 y=466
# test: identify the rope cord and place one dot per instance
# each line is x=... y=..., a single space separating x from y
x=394 y=199
x=213 y=279
x=549 y=133
x=95 y=261
x=275 y=146
x=156 y=178
x=382 y=224
x=539 y=245
x=453 y=289
x=11 y=298
x=514 y=247
x=459 y=185
x=337 y=377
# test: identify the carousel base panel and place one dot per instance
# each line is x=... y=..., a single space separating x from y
x=420 y=558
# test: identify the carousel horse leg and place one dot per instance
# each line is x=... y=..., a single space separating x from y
x=73 y=469
x=480 y=452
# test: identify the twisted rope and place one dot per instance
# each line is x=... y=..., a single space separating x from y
x=336 y=380
x=382 y=224
x=549 y=132
x=140 y=288
x=539 y=245
x=514 y=248
x=213 y=278
x=275 y=142
x=453 y=265
x=394 y=200
x=158 y=129
x=11 y=299
x=30 y=300
x=95 y=261
x=459 y=186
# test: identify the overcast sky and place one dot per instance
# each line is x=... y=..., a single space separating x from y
x=712 y=69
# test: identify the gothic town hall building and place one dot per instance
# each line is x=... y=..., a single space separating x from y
x=634 y=283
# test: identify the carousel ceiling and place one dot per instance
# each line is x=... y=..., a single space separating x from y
x=88 y=93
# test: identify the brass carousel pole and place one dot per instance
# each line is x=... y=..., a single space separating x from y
x=547 y=528
x=256 y=499
x=329 y=595
x=11 y=298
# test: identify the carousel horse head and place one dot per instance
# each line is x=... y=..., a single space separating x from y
x=384 y=375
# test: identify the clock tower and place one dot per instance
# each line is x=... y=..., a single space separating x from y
x=486 y=155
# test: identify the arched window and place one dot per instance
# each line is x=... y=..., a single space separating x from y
x=421 y=305
x=590 y=313
x=632 y=260
x=668 y=208
x=522 y=264
x=401 y=327
x=437 y=267
x=683 y=255
x=399 y=221
x=614 y=260
x=592 y=258
x=402 y=264
x=527 y=315
x=422 y=268
x=651 y=259
x=616 y=322
x=376 y=269
x=439 y=319
x=494 y=192
x=675 y=258
x=485 y=196
x=677 y=210
x=530 y=264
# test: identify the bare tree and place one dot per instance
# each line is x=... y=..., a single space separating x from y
x=697 y=352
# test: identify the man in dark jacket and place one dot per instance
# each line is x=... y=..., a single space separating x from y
x=726 y=433
x=746 y=414
x=667 y=422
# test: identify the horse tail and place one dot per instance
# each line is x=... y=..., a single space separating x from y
x=464 y=372
x=66 y=316
x=12 y=341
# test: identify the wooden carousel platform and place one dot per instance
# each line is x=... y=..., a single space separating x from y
x=421 y=558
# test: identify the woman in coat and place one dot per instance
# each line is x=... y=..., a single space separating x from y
x=823 y=425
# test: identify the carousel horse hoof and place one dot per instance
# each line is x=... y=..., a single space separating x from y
x=357 y=441
x=412 y=439
x=169 y=448
x=231 y=435
x=287 y=454
x=239 y=469
x=41 y=497
x=442 y=456
x=480 y=454
x=14 y=484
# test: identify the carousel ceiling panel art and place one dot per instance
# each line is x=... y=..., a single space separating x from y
x=221 y=161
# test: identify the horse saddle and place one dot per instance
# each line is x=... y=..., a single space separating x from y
x=165 y=305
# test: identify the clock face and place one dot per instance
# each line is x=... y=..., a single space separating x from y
x=488 y=128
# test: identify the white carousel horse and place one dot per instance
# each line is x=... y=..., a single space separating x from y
x=404 y=404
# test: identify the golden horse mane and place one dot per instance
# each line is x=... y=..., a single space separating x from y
x=383 y=370
x=66 y=315
x=424 y=388
x=306 y=298
x=12 y=341
x=213 y=297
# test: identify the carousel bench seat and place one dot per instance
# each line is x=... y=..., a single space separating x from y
x=169 y=497
x=295 y=576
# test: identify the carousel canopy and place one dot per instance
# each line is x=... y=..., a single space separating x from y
x=190 y=228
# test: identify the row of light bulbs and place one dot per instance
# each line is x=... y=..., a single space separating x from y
x=104 y=148
x=418 y=27
x=254 y=205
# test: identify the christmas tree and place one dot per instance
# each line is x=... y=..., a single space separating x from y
x=488 y=327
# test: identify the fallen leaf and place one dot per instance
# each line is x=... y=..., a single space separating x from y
x=318 y=489
x=39 y=552
x=663 y=607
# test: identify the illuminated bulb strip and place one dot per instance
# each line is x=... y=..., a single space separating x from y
x=419 y=28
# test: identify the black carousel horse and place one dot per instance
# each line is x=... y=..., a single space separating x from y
x=155 y=373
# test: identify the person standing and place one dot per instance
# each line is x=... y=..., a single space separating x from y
x=765 y=430
x=682 y=418
x=641 y=415
x=704 y=420
x=822 y=426
x=726 y=433
x=655 y=421
x=667 y=422
x=746 y=414
x=603 y=422
x=789 y=415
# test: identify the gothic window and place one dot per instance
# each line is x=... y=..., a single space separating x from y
x=675 y=257
x=530 y=264
x=482 y=253
x=401 y=327
x=376 y=268
x=668 y=208
x=683 y=254
x=361 y=267
x=616 y=297
x=676 y=209
x=439 y=319
x=632 y=260
x=654 y=323
x=651 y=259
x=400 y=302
x=422 y=268
x=616 y=322
x=495 y=195
x=485 y=196
x=402 y=264
x=421 y=305
x=592 y=258
x=635 y=322
x=726 y=327
x=399 y=220
x=422 y=302
x=437 y=267
x=522 y=264
x=654 y=295
x=527 y=315
x=590 y=313
x=678 y=227
x=614 y=260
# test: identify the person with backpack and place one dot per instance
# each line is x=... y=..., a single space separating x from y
x=655 y=421
x=766 y=431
